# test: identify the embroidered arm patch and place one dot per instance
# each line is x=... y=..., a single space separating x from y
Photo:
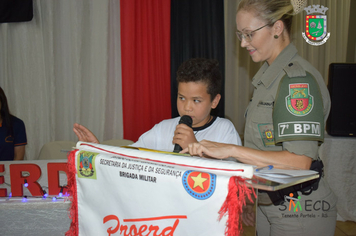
x=298 y=111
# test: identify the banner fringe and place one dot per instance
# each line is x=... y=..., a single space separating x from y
x=72 y=189
x=234 y=203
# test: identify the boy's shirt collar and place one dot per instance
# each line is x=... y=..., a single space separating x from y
x=206 y=125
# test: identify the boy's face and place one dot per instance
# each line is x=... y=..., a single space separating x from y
x=193 y=100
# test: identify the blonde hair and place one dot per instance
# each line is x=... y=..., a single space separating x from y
x=271 y=11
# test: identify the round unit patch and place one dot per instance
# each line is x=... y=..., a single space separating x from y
x=199 y=185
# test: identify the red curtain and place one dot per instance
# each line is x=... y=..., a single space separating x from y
x=145 y=56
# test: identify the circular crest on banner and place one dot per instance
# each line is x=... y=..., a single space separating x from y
x=199 y=185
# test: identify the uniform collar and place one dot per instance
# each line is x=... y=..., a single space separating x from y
x=267 y=74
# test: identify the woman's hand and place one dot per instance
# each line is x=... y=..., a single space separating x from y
x=279 y=159
x=184 y=135
x=209 y=149
x=84 y=134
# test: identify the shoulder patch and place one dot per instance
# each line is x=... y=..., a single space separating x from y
x=298 y=110
x=294 y=69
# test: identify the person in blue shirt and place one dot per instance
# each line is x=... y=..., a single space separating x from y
x=12 y=133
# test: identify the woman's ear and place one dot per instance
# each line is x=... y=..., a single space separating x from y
x=216 y=101
x=278 y=28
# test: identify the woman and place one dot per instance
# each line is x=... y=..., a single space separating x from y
x=12 y=133
x=284 y=121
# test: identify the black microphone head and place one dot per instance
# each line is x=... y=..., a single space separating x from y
x=187 y=120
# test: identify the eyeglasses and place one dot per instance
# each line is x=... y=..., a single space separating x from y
x=247 y=36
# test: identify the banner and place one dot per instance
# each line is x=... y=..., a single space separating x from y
x=33 y=178
x=121 y=191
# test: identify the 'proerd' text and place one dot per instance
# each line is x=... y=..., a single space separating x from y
x=143 y=229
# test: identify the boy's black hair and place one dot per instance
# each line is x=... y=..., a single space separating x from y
x=201 y=70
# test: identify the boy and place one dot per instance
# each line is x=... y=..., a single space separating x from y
x=199 y=85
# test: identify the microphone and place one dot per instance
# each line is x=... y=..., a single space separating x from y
x=187 y=120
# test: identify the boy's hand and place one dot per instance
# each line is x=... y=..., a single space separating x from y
x=84 y=134
x=184 y=135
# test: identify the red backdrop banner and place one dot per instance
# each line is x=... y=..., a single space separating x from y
x=145 y=49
